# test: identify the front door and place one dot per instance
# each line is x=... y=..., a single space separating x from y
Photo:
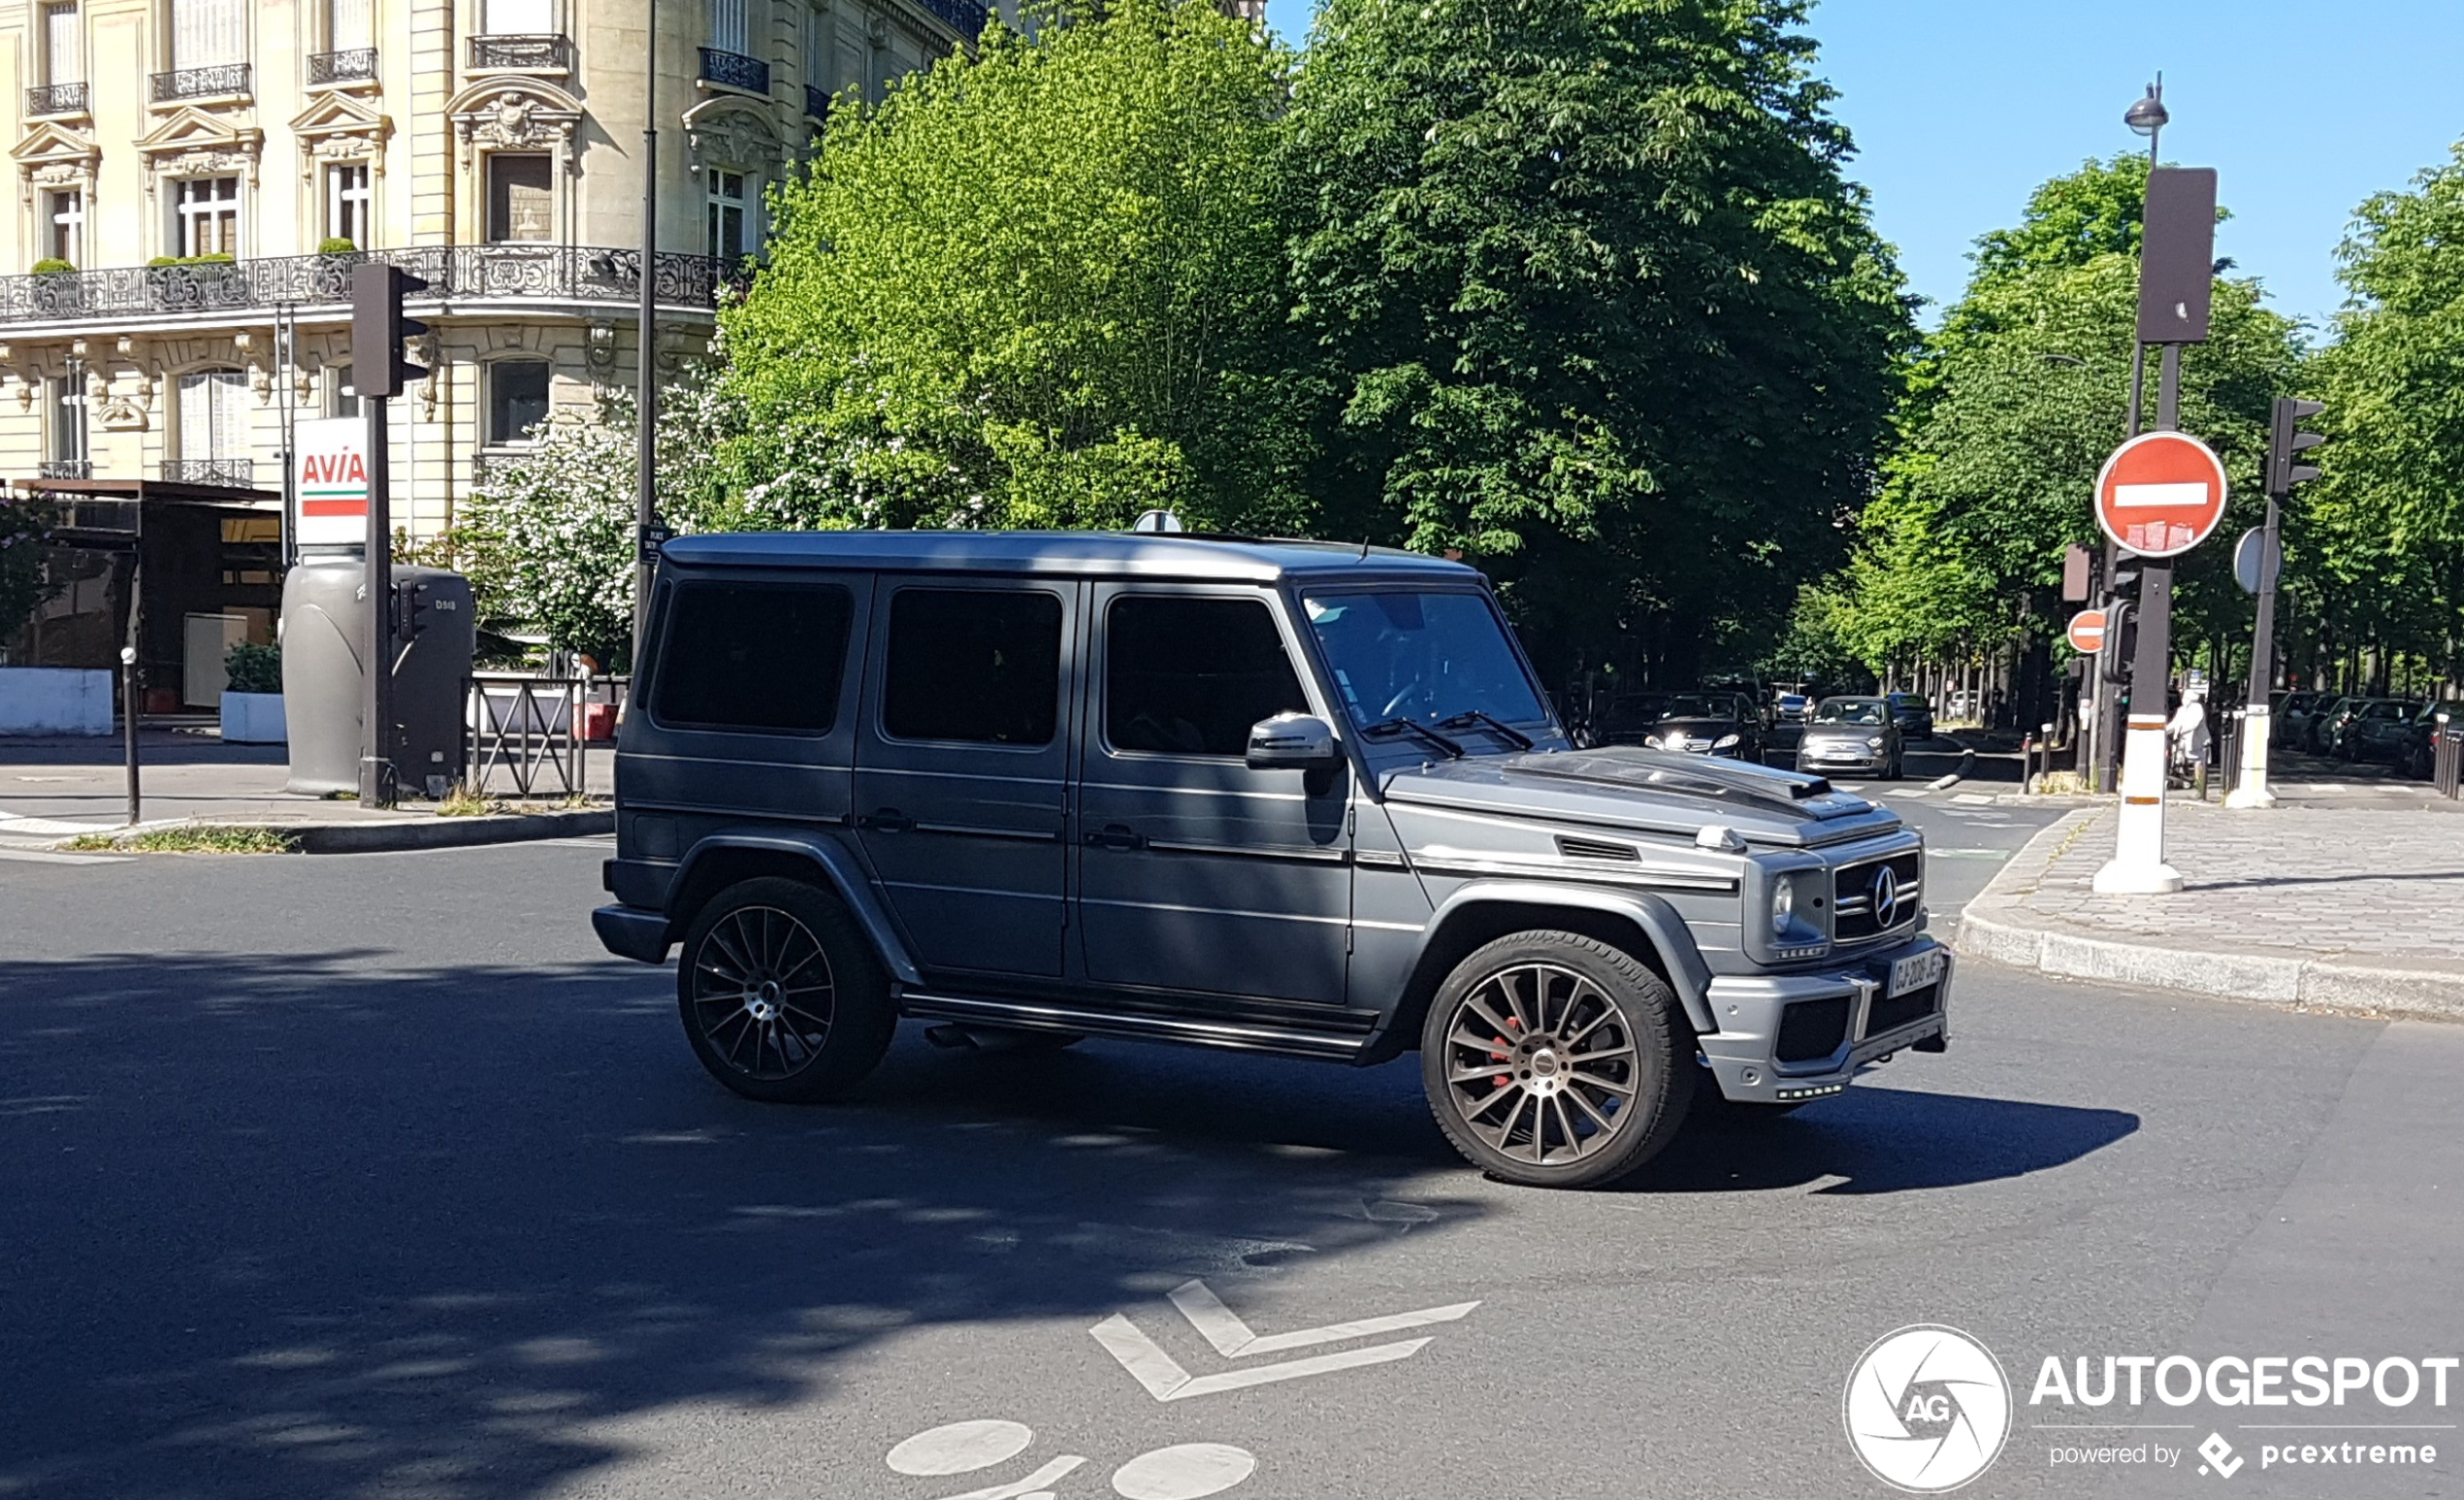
x=1197 y=873
x=962 y=770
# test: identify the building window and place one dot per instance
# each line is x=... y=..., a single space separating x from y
x=342 y=398
x=349 y=25
x=726 y=194
x=519 y=17
x=64 y=210
x=207 y=218
x=213 y=415
x=346 y=202
x=65 y=397
x=208 y=33
x=521 y=197
x=728 y=29
x=63 y=45
x=517 y=400
x=817 y=36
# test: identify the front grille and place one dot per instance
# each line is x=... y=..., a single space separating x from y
x=1853 y=916
x=1810 y=1029
x=1889 y=1015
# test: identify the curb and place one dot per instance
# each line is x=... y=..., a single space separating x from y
x=1990 y=929
x=405 y=834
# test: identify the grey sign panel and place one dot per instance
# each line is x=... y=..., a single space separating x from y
x=2177 y=262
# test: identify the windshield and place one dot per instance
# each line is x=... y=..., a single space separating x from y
x=1421 y=654
x=1850 y=710
x=1695 y=706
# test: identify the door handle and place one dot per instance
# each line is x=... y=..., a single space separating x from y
x=886 y=820
x=1114 y=835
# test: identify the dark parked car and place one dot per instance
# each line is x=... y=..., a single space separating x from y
x=1853 y=734
x=2378 y=733
x=1913 y=712
x=1716 y=723
x=2417 y=755
x=2288 y=719
x=1277 y=797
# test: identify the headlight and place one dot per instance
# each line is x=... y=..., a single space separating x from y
x=1725 y=740
x=1874 y=743
x=1783 y=905
x=1651 y=741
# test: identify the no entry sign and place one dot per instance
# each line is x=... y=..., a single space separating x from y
x=2087 y=632
x=2161 y=494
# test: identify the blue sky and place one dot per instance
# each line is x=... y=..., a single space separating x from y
x=1961 y=107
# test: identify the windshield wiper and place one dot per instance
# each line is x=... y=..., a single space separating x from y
x=1505 y=731
x=1388 y=729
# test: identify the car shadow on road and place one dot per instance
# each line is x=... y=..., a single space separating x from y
x=329 y=1224
x=1865 y=1137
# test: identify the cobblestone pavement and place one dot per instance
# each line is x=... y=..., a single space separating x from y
x=2353 y=884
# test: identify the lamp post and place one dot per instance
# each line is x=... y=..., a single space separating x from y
x=2147 y=117
x=645 y=354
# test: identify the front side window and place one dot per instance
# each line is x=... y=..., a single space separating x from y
x=753 y=656
x=1188 y=676
x=725 y=192
x=982 y=666
x=517 y=400
x=521 y=197
x=346 y=202
x=207 y=216
x=64 y=235
x=1423 y=654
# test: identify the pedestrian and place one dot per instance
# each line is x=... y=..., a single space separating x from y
x=2188 y=734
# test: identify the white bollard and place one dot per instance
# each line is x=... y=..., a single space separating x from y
x=2137 y=866
x=2250 y=790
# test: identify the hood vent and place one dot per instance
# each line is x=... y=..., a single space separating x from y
x=1596 y=849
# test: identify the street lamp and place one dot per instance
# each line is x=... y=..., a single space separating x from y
x=2147 y=117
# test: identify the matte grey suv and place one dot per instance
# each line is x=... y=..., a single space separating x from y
x=1271 y=796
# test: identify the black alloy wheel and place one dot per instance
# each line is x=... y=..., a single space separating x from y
x=781 y=996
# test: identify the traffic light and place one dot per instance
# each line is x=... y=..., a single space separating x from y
x=2121 y=640
x=379 y=329
x=417 y=605
x=2285 y=443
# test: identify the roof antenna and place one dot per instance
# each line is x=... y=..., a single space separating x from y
x=1364 y=549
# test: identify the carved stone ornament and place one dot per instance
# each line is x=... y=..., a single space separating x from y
x=121 y=411
x=192 y=143
x=340 y=128
x=601 y=350
x=732 y=133
x=53 y=156
x=520 y=115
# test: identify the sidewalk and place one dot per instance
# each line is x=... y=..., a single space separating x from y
x=55 y=790
x=2342 y=906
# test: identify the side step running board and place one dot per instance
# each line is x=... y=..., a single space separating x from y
x=1048 y=1016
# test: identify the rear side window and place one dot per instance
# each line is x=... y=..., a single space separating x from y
x=1188 y=676
x=975 y=665
x=753 y=656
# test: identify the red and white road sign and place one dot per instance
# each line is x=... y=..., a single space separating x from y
x=2161 y=494
x=2087 y=632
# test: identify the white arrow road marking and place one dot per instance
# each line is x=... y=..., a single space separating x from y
x=1232 y=1338
x=1166 y=1380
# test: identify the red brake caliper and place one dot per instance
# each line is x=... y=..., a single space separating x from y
x=1512 y=1024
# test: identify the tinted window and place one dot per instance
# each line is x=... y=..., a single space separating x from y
x=975 y=665
x=1188 y=676
x=754 y=656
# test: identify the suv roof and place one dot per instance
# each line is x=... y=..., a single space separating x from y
x=1144 y=554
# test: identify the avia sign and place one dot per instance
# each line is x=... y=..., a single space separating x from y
x=329 y=459
x=2161 y=494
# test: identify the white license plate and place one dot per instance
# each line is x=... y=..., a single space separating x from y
x=1918 y=970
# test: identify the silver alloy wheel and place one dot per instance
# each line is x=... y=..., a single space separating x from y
x=1539 y=1064
x=762 y=993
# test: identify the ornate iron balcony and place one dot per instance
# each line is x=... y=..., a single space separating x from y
x=66 y=469
x=57 y=99
x=734 y=70
x=355 y=66
x=816 y=102
x=238 y=473
x=544 y=54
x=966 y=17
x=230 y=78
x=535 y=273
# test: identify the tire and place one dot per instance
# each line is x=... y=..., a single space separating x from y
x=1592 y=1112
x=781 y=995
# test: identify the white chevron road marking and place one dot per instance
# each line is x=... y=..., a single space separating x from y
x=1165 y=1380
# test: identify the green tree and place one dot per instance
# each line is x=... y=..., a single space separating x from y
x=25 y=581
x=1039 y=286
x=1591 y=304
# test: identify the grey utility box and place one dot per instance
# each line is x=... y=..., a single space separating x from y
x=434 y=637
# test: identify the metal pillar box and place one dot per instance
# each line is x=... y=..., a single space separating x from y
x=434 y=636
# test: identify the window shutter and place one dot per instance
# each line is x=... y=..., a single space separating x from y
x=349 y=25
x=728 y=32
x=63 y=48
x=208 y=33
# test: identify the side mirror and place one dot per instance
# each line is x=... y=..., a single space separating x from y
x=1293 y=742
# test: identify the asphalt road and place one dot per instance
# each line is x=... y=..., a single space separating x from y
x=371 y=1176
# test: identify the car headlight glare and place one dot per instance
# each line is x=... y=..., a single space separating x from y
x=1725 y=740
x=1651 y=741
x=1783 y=905
x=1875 y=744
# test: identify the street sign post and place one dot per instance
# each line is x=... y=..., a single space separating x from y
x=2161 y=494
x=2256 y=564
x=2087 y=632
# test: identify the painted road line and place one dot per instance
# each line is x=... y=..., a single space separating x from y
x=1166 y=1380
x=47 y=857
x=1972 y=798
x=1051 y=1473
x=1232 y=1338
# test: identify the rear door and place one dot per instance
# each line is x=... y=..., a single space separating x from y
x=1197 y=873
x=962 y=768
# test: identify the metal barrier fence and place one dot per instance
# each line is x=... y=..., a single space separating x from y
x=2228 y=751
x=2446 y=753
x=529 y=730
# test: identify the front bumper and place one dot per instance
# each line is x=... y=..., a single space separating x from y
x=1840 y=758
x=631 y=933
x=1746 y=1053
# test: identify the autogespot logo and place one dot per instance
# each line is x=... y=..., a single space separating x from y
x=1928 y=1409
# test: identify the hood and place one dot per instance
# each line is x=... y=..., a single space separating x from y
x=1651 y=791
x=1695 y=729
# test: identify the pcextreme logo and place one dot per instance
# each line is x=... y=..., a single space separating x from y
x=1926 y=1409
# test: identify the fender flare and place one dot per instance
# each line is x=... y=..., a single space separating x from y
x=837 y=867
x=1659 y=922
